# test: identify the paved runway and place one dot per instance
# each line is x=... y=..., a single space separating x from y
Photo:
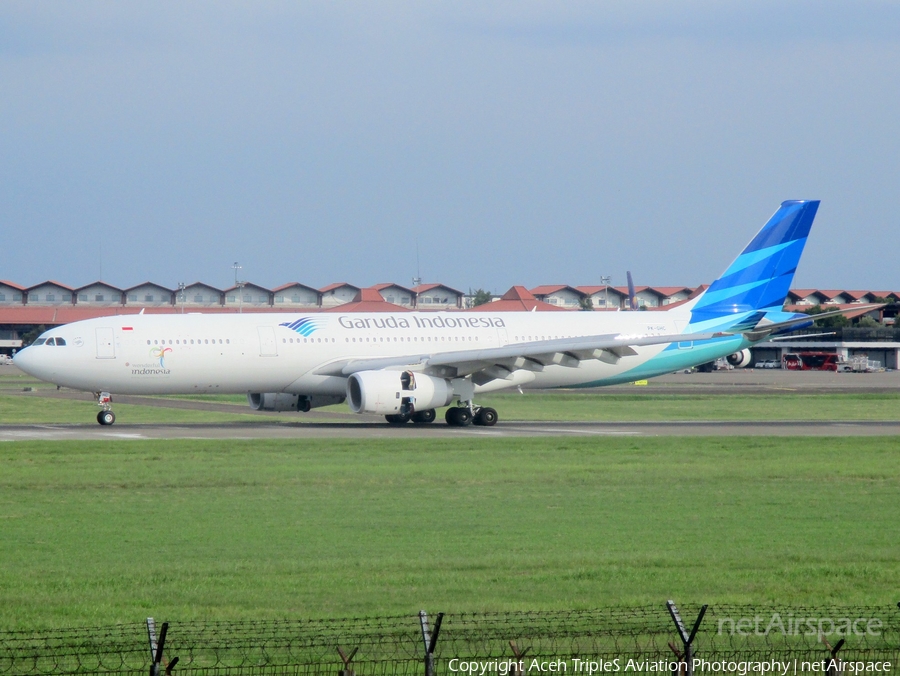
x=280 y=430
x=327 y=424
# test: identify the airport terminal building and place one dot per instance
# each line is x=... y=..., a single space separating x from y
x=24 y=310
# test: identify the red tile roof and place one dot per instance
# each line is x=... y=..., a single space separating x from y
x=547 y=289
x=203 y=284
x=50 y=281
x=856 y=295
x=667 y=291
x=422 y=288
x=853 y=309
x=517 y=299
x=591 y=290
x=337 y=285
x=247 y=285
x=98 y=283
x=387 y=285
x=293 y=284
x=154 y=284
x=368 y=300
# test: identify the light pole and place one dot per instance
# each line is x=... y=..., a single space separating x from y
x=181 y=288
x=239 y=286
x=605 y=282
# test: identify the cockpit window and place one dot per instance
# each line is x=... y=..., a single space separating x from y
x=40 y=341
x=60 y=341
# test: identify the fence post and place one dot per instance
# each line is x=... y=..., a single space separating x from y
x=346 y=659
x=519 y=669
x=154 y=646
x=686 y=639
x=429 y=639
x=834 y=664
x=157 y=646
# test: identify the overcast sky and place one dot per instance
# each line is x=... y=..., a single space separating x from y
x=513 y=142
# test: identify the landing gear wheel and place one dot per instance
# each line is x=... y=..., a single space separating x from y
x=106 y=417
x=422 y=417
x=458 y=417
x=486 y=416
x=400 y=419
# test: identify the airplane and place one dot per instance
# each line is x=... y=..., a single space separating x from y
x=405 y=365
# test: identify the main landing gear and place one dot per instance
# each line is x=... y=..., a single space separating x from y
x=456 y=416
x=460 y=416
x=419 y=417
x=105 y=416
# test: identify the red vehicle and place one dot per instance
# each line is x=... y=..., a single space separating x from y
x=810 y=361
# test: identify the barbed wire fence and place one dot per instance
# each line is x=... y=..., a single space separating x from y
x=642 y=640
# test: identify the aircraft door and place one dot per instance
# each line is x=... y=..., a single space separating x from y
x=267 y=345
x=106 y=345
x=503 y=337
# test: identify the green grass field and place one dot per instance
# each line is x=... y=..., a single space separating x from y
x=560 y=405
x=95 y=533
x=615 y=405
x=24 y=410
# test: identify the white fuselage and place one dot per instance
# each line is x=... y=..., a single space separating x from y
x=241 y=353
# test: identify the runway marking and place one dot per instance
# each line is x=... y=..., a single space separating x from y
x=201 y=431
x=597 y=432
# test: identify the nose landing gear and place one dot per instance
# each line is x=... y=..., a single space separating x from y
x=106 y=416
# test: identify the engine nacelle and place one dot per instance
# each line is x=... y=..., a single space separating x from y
x=281 y=401
x=740 y=359
x=396 y=392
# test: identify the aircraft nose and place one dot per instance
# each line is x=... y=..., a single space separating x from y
x=26 y=360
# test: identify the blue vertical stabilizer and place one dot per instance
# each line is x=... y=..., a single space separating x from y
x=759 y=279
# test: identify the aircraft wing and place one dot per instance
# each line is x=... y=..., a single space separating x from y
x=498 y=362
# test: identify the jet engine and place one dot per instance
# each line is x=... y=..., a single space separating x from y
x=740 y=359
x=396 y=392
x=281 y=401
